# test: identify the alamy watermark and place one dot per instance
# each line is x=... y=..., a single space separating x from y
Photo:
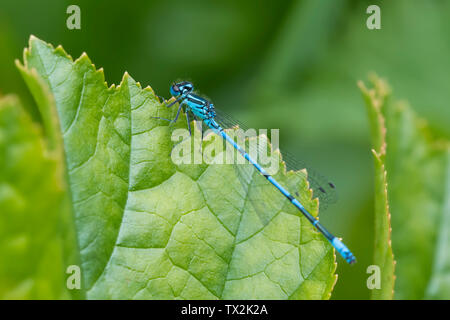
x=74 y=279
x=74 y=19
x=210 y=148
x=374 y=20
x=374 y=280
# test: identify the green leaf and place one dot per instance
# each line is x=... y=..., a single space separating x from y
x=35 y=238
x=418 y=172
x=383 y=257
x=150 y=229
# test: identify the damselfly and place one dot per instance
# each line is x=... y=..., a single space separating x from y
x=204 y=110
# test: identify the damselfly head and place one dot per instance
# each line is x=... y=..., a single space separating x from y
x=180 y=88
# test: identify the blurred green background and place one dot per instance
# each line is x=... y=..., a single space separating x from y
x=291 y=65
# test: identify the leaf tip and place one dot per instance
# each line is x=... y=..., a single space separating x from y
x=32 y=38
x=19 y=64
x=126 y=76
x=361 y=85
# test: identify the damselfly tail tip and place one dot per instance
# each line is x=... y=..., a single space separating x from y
x=343 y=250
x=351 y=259
x=348 y=256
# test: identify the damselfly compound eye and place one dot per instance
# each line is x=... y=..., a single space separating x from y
x=174 y=90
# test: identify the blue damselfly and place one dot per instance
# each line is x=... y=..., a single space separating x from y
x=202 y=109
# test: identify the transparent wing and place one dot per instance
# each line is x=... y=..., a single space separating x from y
x=323 y=188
